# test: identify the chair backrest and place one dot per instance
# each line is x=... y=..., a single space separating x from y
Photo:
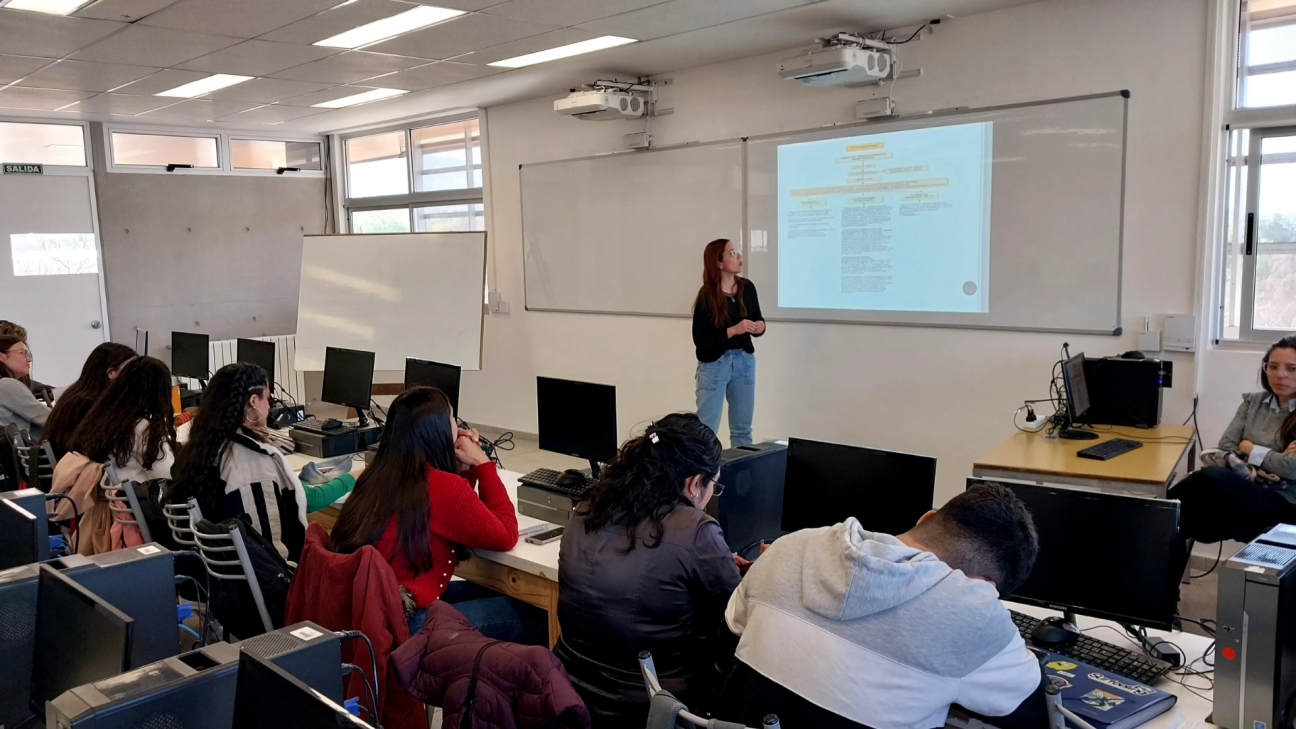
x=226 y=557
x=36 y=462
x=665 y=712
x=181 y=518
x=10 y=468
x=123 y=502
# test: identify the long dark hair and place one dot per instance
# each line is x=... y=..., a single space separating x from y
x=6 y=342
x=417 y=436
x=141 y=392
x=80 y=396
x=645 y=481
x=220 y=415
x=711 y=295
x=1287 y=431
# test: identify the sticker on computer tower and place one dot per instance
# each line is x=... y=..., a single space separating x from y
x=306 y=633
x=1259 y=725
x=150 y=549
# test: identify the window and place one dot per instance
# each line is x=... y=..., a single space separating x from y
x=46 y=144
x=390 y=220
x=257 y=154
x=53 y=254
x=447 y=156
x=377 y=165
x=157 y=150
x=449 y=218
x=1267 y=57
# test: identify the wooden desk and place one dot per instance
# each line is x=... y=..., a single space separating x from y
x=528 y=572
x=1148 y=471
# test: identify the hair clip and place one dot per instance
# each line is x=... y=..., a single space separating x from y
x=653 y=437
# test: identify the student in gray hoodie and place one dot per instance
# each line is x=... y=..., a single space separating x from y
x=841 y=627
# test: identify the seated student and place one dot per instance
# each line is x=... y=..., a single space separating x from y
x=233 y=472
x=40 y=389
x=840 y=627
x=642 y=567
x=1254 y=486
x=100 y=368
x=416 y=504
x=17 y=403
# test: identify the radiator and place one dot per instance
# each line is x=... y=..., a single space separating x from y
x=290 y=380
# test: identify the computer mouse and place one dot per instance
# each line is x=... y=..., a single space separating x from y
x=1054 y=632
x=332 y=424
x=1133 y=354
x=571 y=477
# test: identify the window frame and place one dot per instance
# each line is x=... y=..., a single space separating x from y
x=85 y=139
x=224 y=157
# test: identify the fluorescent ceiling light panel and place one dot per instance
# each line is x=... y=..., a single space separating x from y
x=205 y=85
x=420 y=17
x=574 y=49
x=373 y=95
x=52 y=7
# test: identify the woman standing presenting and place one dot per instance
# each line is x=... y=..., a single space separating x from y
x=726 y=315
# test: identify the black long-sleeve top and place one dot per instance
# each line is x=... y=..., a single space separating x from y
x=713 y=341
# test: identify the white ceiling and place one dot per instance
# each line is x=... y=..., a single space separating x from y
x=108 y=61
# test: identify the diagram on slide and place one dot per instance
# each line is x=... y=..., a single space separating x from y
x=895 y=221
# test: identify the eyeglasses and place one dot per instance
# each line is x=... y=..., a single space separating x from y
x=719 y=488
x=24 y=352
x=1276 y=367
x=733 y=253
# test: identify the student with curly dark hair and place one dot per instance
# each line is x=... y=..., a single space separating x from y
x=101 y=367
x=233 y=471
x=642 y=567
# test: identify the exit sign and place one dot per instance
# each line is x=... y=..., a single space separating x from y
x=23 y=169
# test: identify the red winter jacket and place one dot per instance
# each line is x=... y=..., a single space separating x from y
x=517 y=686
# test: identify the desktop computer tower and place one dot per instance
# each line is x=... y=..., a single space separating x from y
x=33 y=502
x=1255 y=663
x=196 y=690
x=751 y=507
x=1125 y=391
x=324 y=446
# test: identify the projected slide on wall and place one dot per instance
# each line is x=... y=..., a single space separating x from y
x=896 y=221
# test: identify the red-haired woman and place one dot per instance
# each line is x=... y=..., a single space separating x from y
x=726 y=315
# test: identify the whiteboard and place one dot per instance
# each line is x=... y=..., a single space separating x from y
x=395 y=294
x=624 y=233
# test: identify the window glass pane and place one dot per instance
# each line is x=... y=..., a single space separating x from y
x=156 y=150
x=447 y=156
x=377 y=165
x=1235 y=230
x=46 y=144
x=1267 y=71
x=1271 y=44
x=256 y=154
x=449 y=218
x=53 y=254
x=1271 y=89
x=1275 y=284
x=393 y=220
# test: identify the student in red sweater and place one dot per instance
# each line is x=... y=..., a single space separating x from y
x=417 y=505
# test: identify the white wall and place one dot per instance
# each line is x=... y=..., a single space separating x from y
x=948 y=393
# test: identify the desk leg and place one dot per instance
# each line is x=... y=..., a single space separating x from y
x=530 y=589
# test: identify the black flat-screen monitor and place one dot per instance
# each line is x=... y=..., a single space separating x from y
x=24 y=536
x=1077 y=390
x=189 y=356
x=80 y=638
x=425 y=373
x=827 y=482
x=141 y=342
x=268 y=697
x=257 y=352
x=577 y=418
x=1110 y=556
x=348 y=377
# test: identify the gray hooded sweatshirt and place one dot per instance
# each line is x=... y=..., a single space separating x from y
x=877 y=632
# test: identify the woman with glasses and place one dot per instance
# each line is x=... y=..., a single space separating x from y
x=17 y=403
x=726 y=315
x=1254 y=486
x=642 y=567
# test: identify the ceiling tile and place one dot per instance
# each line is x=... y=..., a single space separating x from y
x=13 y=68
x=442 y=73
x=161 y=81
x=257 y=58
x=533 y=44
x=462 y=4
x=18 y=97
x=120 y=104
x=272 y=114
x=127 y=10
x=50 y=36
x=680 y=16
x=337 y=20
x=144 y=46
x=462 y=35
x=320 y=97
x=348 y=67
x=265 y=90
x=239 y=18
x=565 y=12
x=199 y=109
x=82 y=76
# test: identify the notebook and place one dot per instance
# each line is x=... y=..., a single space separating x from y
x=1105 y=699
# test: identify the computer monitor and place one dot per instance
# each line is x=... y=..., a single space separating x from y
x=141 y=342
x=22 y=536
x=79 y=638
x=257 y=352
x=825 y=483
x=189 y=356
x=1077 y=395
x=1109 y=556
x=425 y=373
x=348 y=378
x=577 y=418
x=268 y=697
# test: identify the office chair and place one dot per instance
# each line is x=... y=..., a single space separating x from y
x=223 y=550
x=123 y=499
x=666 y=712
x=181 y=519
x=35 y=462
x=10 y=468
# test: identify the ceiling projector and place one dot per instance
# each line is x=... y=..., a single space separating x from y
x=601 y=105
x=838 y=66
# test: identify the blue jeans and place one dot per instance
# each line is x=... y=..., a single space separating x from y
x=497 y=616
x=734 y=375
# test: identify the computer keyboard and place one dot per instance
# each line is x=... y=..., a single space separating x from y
x=315 y=425
x=1099 y=654
x=547 y=479
x=1109 y=449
